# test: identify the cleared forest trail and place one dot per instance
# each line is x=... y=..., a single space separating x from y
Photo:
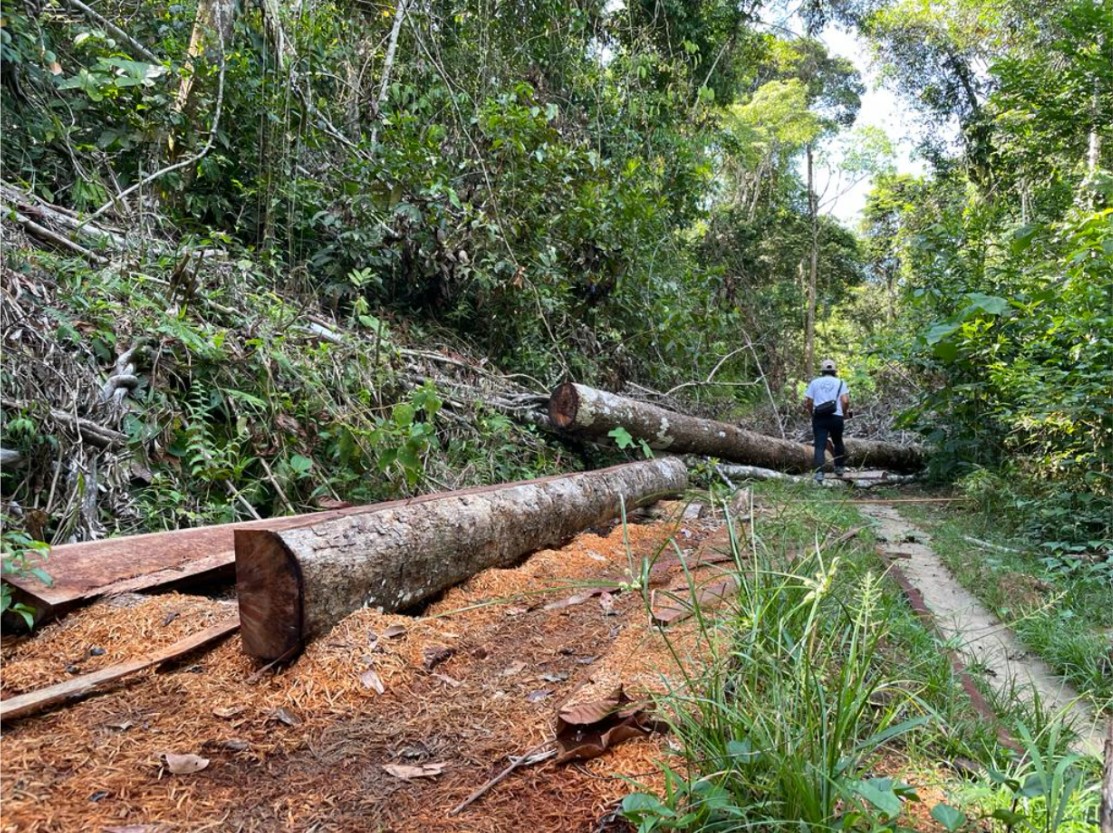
x=981 y=637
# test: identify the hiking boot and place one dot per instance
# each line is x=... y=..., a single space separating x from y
x=840 y=471
x=819 y=480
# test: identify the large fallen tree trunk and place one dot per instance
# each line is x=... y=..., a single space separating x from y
x=294 y=584
x=87 y=570
x=594 y=413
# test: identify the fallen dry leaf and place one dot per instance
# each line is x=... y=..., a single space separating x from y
x=538 y=695
x=571 y=601
x=230 y=712
x=407 y=773
x=585 y=714
x=235 y=744
x=436 y=654
x=371 y=679
x=184 y=764
x=394 y=631
x=452 y=681
x=136 y=828
x=285 y=716
x=512 y=669
x=606 y=601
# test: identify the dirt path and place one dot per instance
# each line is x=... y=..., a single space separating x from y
x=982 y=638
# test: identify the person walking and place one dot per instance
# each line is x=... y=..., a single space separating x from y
x=827 y=401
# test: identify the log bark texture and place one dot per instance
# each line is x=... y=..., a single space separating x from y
x=593 y=413
x=295 y=584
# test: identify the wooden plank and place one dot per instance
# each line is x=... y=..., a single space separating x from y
x=86 y=684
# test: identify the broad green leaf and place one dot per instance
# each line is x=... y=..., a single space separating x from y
x=940 y=332
x=879 y=793
x=621 y=436
x=948 y=816
x=990 y=304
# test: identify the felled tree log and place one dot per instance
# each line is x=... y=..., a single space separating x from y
x=594 y=413
x=294 y=584
x=862 y=454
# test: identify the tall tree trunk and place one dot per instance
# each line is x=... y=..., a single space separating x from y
x=813 y=269
x=212 y=31
x=388 y=66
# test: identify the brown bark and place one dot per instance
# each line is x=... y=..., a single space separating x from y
x=295 y=584
x=594 y=413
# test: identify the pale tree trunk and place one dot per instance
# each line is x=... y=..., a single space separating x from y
x=212 y=31
x=388 y=66
x=1093 y=151
x=295 y=584
x=813 y=270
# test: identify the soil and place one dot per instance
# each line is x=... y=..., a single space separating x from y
x=983 y=640
x=478 y=677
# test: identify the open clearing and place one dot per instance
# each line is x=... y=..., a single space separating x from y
x=476 y=678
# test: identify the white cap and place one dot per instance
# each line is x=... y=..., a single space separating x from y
x=827 y=364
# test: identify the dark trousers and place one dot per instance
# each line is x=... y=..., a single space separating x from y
x=824 y=427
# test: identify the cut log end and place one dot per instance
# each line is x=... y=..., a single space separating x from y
x=268 y=584
x=564 y=403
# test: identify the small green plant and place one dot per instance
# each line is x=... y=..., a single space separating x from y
x=403 y=439
x=624 y=440
x=782 y=727
x=21 y=556
x=1046 y=789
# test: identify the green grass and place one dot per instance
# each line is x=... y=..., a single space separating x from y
x=818 y=671
x=1061 y=610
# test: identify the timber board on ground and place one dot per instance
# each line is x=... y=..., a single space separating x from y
x=90 y=569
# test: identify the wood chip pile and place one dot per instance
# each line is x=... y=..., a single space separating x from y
x=387 y=722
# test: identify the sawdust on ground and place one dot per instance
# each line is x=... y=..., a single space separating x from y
x=478 y=677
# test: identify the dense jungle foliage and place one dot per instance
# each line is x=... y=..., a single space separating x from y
x=616 y=192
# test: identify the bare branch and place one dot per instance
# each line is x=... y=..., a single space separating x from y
x=115 y=30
